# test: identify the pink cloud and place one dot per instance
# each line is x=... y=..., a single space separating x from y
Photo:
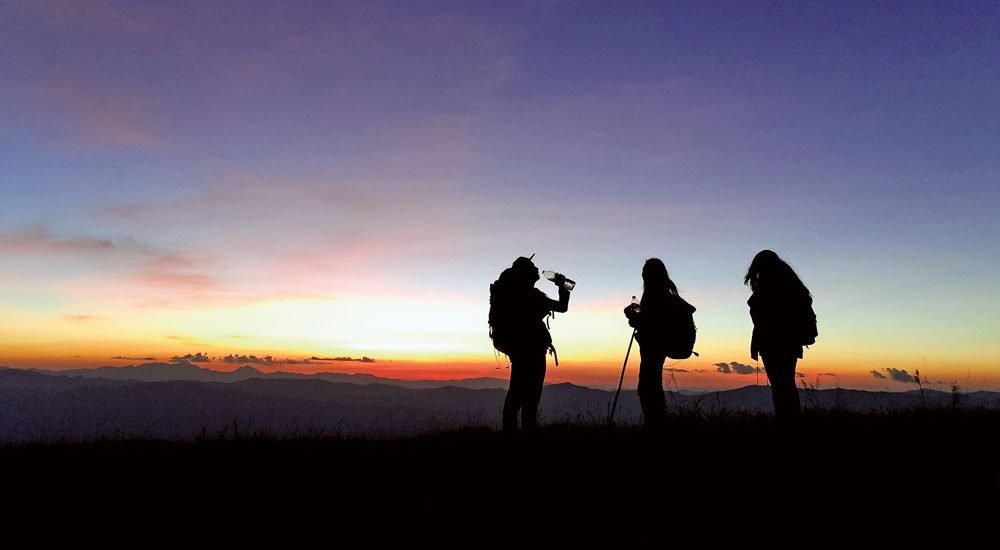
x=175 y=271
x=127 y=271
x=329 y=232
x=124 y=267
x=37 y=240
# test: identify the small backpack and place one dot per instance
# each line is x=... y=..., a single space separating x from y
x=680 y=337
x=807 y=328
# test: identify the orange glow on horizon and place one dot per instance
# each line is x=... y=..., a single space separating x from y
x=695 y=374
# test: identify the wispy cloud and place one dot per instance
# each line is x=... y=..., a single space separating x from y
x=125 y=269
x=165 y=209
x=345 y=358
x=124 y=358
x=177 y=272
x=153 y=264
x=878 y=375
x=310 y=235
x=37 y=240
x=79 y=317
x=187 y=340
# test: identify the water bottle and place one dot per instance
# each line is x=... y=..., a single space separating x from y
x=632 y=310
x=551 y=275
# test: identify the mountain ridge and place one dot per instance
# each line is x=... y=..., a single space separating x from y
x=184 y=370
x=41 y=406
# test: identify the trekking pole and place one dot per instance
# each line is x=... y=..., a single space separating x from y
x=614 y=405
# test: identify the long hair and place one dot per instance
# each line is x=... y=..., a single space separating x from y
x=769 y=273
x=656 y=283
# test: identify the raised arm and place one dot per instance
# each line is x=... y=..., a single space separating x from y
x=559 y=306
x=562 y=306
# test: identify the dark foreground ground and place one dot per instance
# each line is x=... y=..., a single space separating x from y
x=733 y=477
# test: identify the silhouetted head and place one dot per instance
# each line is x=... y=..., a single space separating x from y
x=524 y=270
x=768 y=272
x=655 y=279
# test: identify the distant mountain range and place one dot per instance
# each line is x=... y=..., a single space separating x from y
x=119 y=402
x=163 y=372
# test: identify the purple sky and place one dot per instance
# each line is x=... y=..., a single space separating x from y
x=230 y=153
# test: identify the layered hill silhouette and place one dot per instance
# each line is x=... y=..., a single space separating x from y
x=116 y=403
x=183 y=370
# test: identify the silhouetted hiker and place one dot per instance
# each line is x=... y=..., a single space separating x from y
x=783 y=322
x=664 y=327
x=517 y=327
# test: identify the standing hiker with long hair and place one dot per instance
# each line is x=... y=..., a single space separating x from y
x=517 y=327
x=783 y=322
x=664 y=327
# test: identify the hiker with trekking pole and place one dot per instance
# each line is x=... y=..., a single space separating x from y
x=517 y=317
x=663 y=324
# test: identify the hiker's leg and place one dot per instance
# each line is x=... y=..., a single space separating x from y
x=515 y=393
x=651 y=388
x=533 y=389
x=780 y=369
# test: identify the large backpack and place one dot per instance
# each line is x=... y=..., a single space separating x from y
x=501 y=320
x=681 y=333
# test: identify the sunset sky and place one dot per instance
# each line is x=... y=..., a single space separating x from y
x=347 y=178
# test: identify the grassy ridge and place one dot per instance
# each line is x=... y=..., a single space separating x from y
x=579 y=473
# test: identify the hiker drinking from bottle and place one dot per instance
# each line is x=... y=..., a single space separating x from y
x=783 y=322
x=517 y=327
x=664 y=327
